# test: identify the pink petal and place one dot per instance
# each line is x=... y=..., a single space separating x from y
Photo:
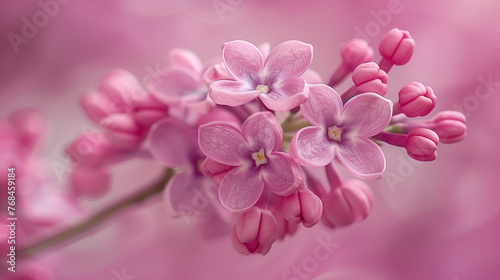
x=289 y=59
x=232 y=93
x=312 y=77
x=367 y=114
x=184 y=196
x=281 y=174
x=185 y=59
x=223 y=143
x=242 y=59
x=240 y=189
x=173 y=84
x=362 y=157
x=323 y=107
x=286 y=95
x=119 y=86
x=310 y=147
x=173 y=143
x=263 y=131
x=96 y=106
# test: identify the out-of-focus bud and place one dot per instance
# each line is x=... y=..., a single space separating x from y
x=353 y=53
x=450 y=126
x=215 y=170
x=397 y=46
x=149 y=110
x=421 y=144
x=90 y=147
x=215 y=73
x=352 y=202
x=30 y=124
x=122 y=130
x=119 y=86
x=96 y=106
x=303 y=206
x=90 y=181
x=368 y=77
x=255 y=231
x=416 y=100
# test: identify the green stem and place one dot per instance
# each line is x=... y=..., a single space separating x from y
x=97 y=218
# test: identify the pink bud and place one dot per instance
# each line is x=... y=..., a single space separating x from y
x=149 y=110
x=30 y=124
x=368 y=77
x=303 y=206
x=397 y=46
x=355 y=52
x=347 y=204
x=96 y=106
x=90 y=181
x=416 y=100
x=119 y=86
x=215 y=170
x=450 y=126
x=91 y=147
x=255 y=231
x=421 y=144
x=216 y=73
x=122 y=130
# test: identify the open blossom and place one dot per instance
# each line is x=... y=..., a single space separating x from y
x=342 y=132
x=275 y=80
x=254 y=152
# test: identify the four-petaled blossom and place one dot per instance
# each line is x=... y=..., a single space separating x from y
x=275 y=80
x=342 y=132
x=253 y=150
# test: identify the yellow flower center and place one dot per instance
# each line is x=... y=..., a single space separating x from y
x=263 y=88
x=259 y=157
x=335 y=133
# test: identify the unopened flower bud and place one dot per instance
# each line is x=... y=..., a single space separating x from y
x=397 y=46
x=303 y=206
x=416 y=100
x=353 y=53
x=421 y=144
x=90 y=181
x=368 y=77
x=255 y=231
x=450 y=126
x=347 y=204
x=122 y=130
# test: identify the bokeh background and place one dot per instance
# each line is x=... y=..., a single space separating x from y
x=438 y=220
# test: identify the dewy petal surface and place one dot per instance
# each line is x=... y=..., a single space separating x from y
x=362 y=157
x=241 y=189
x=261 y=130
x=173 y=143
x=289 y=59
x=310 y=147
x=286 y=95
x=242 y=59
x=222 y=142
x=281 y=174
x=232 y=93
x=323 y=107
x=367 y=114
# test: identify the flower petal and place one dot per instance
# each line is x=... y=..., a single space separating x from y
x=289 y=59
x=286 y=95
x=242 y=59
x=362 y=157
x=310 y=147
x=281 y=174
x=222 y=142
x=367 y=114
x=185 y=59
x=184 y=196
x=173 y=143
x=323 y=107
x=172 y=85
x=232 y=93
x=241 y=189
x=261 y=130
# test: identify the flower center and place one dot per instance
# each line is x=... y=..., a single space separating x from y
x=259 y=157
x=335 y=133
x=263 y=88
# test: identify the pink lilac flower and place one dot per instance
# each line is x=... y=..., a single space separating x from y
x=275 y=80
x=254 y=152
x=342 y=132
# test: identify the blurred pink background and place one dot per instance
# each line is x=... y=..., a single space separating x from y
x=438 y=220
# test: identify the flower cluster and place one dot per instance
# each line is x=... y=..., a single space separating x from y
x=258 y=134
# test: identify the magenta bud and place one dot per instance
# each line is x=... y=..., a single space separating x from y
x=421 y=144
x=91 y=147
x=96 y=106
x=397 y=46
x=149 y=110
x=355 y=52
x=90 y=181
x=416 y=100
x=122 y=130
x=255 y=231
x=368 y=77
x=352 y=202
x=215 y=170
x=303 y=206
x=450 y=126
x=30 y=124
x=119 y=86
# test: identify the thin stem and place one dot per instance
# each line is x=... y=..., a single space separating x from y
x=97 y=218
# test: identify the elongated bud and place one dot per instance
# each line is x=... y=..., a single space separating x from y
x=122 y=130
x=368 y=77
x=416 y=100
x=255 y=231
x=353 y=53
x=422 y=144
x=450 y=126
x=303 y=206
